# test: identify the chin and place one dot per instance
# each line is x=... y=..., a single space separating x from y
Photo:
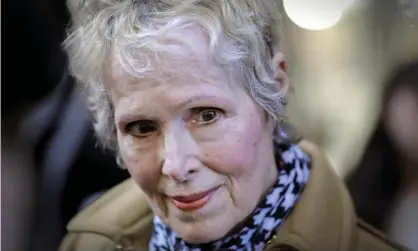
x=207 y=229
x=200 y=235
x=208 y=224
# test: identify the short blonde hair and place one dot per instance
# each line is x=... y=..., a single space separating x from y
x=243 y=35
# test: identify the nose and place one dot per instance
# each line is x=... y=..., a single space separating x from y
x=179 y=148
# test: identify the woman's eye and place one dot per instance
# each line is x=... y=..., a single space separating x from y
x=141 y=128
x=206 y=115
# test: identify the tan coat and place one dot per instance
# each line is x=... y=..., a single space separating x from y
x=323 y=219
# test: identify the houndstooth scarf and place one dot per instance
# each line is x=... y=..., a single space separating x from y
x=294 y=167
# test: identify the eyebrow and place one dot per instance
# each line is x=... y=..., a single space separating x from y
x=126 y=118
x=194 y=99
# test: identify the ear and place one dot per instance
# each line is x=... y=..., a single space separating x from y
x=279 y=72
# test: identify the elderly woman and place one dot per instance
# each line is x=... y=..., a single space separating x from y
x=191 y=97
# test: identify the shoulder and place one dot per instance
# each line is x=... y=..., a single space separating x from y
x=324 y=217
x=369 y=238
x=120 y=218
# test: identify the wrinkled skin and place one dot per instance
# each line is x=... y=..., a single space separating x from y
x=186 y=129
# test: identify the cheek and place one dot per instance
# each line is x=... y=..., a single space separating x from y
x=142 y=164
x=237 y=151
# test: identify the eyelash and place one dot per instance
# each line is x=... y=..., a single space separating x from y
x=131 y=126
x=200 y=110
x=195 y=113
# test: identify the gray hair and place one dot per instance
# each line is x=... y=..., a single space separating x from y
x=243 y=36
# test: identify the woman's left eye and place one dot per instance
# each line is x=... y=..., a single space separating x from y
x=206 y=115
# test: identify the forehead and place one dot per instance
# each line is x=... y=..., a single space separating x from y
x=182 y=54
x=189 y=70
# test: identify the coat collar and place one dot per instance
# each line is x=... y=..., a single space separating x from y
x=323 y=218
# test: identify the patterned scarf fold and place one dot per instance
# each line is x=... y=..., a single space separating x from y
x=294 y=167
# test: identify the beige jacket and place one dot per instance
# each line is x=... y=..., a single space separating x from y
x=323 y=219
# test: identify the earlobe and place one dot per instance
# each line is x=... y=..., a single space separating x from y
x=283 y=66
x=278 y=63
x=279 y=71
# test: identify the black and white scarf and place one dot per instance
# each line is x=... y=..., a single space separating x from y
x=294 y=167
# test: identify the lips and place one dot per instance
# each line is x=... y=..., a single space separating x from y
x=192 y=202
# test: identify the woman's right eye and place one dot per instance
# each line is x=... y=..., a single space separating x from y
x=141 y=128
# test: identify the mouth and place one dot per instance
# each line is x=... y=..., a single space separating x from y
x=192 y=202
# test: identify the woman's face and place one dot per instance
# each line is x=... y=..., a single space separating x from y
x=402 y=121
x=196 y=144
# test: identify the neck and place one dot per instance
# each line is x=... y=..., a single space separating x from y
x=272 y=177
x=409 y=170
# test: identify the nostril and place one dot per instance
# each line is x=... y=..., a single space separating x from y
x=178 y=178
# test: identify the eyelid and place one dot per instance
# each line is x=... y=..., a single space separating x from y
x=128 y=130
x=125 y=120
x=198 y=111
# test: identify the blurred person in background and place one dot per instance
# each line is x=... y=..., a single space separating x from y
x=384 y=185
x=191 y=97
x=33 y=65
x=48 y=148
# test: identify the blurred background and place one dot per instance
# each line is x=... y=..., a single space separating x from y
x=354 y=67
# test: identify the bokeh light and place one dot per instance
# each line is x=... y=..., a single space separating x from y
x=315 y=14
